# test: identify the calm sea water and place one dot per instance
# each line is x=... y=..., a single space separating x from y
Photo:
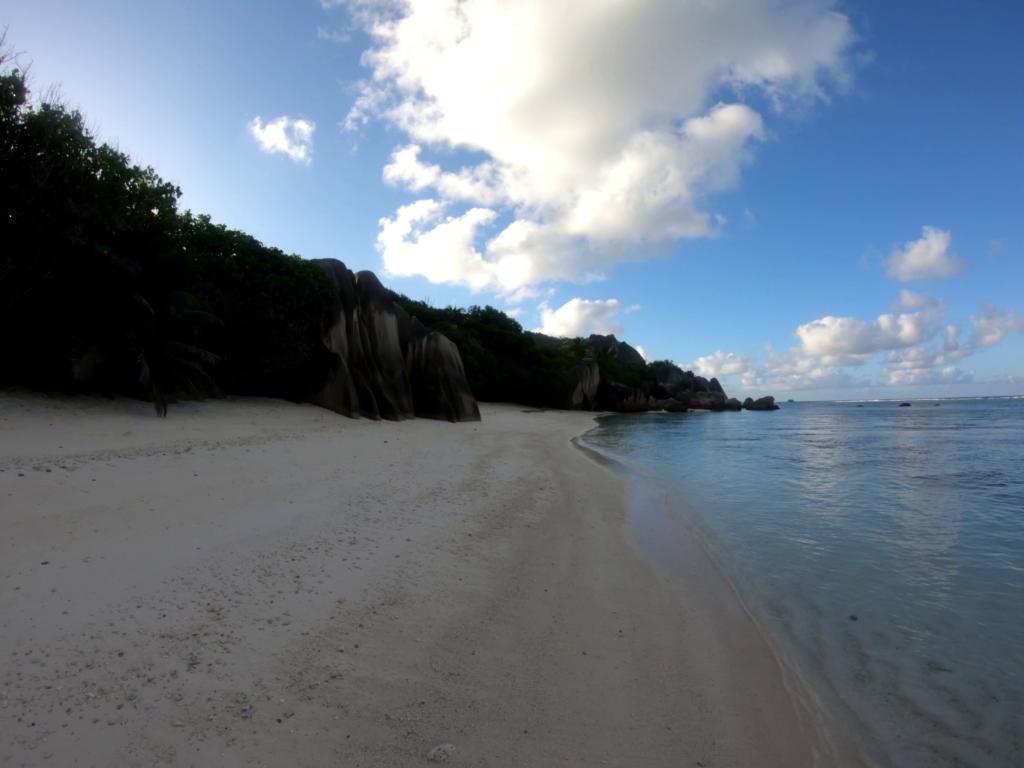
x=882 y=546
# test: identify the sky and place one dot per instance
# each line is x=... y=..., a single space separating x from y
x=814 y=199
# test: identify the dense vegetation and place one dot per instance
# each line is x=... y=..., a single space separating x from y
x=105 y=286
x=505 y=363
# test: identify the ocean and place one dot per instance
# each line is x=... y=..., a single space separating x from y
x=881 y=547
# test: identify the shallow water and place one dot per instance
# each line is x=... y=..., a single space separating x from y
x=882 y=546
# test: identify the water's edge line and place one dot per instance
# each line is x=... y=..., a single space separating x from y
x=802 y=692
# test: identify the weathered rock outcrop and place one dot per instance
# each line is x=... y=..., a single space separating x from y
x=385 y=364
x=623 y=398
x=588 y=379
x=672 y=390
x=706 y=401
x=766 y=403
x=620 y=350
x=436 y=376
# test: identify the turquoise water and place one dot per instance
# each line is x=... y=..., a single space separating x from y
x=882 y=546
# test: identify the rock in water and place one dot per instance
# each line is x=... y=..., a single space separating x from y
x=441 y=753
x=383 y=363
x=766 y=403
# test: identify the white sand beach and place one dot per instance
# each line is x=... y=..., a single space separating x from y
x=252 y=582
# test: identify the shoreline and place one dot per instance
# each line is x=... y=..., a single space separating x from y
x=846 y=740
x=252 y=581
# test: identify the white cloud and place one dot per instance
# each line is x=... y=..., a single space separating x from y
x=926 y=376
x=912 y=300
x=642 y=351
x=592 y=128
x=421 y=228
x=579 y=317
x=992 y=326
x=796 y=370
x=927 y=258
x=911 y=348
x=468 y=184
x=831 y=336
x=290 y=136
x=721 y=364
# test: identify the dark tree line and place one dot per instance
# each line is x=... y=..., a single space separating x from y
x=505 y=364
x=105 y=286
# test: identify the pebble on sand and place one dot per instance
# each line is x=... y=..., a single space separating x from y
x=441 y=753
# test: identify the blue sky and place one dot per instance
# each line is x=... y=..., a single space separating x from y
x=807 y=198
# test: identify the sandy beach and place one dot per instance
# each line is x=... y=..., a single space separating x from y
x=252 y=582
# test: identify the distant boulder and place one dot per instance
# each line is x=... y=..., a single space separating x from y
x=671 y=379
x=732 y=404
x=669 y=376
x=621 y=351
x=707 y=401
x=623 y=398
x=766 y=403
x=715 y=386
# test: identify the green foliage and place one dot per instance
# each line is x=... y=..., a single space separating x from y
x=271 y=307
x=105 y=286
x=504 y=363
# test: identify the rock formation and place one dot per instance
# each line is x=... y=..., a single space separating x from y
x=383 y=363
x=623 y=398
x=766 y=403
x=587 y=375
x=673 y=390
x=437 y=378
x=620 y=350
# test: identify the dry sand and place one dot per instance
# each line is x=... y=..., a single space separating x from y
x=252 y=582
